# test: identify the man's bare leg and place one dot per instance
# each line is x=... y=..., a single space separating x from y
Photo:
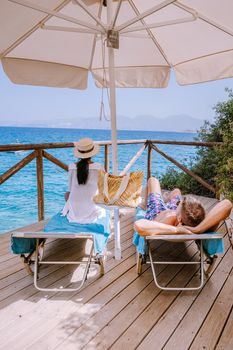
x=153 y=186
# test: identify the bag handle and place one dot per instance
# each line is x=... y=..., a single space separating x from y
x=121 y=189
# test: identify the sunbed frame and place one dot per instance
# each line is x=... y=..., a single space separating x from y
x=38 y=257
x=205 y=261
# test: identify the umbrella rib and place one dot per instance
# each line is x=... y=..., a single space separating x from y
x=152 y=36
x=55 y=14
x=200 y=57
x=117 y=13
x=85 y=8
x=216 y=25
x=32 y=30
x=95 y=38
x=159 y=24
x=141 y=16
x=204 y=18
x=69 y=29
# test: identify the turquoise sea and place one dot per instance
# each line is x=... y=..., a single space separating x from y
x=18 y=195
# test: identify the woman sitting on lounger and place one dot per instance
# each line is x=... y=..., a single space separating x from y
x=80 y=213
x=178 y=215
x=83 y=180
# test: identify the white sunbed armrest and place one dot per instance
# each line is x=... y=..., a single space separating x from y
x=186 y=237
x=41 y=234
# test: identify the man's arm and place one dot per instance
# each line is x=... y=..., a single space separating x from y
x=149 y=228
x=220 y=212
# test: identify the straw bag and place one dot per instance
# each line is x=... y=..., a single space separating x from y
x=119 y=190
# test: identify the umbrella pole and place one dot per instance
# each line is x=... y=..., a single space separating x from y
x=112 y=92
x=114 y=147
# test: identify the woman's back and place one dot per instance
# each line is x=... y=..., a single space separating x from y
x=80 y=206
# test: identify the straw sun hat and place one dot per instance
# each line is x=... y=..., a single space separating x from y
x=85 y=148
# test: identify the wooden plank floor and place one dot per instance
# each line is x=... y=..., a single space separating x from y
x=120 y=310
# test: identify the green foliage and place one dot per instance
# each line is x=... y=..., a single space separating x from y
x=215 y=165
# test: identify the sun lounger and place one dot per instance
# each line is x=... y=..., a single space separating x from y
x=205 y=262
x=35 y=245
x=208 y=245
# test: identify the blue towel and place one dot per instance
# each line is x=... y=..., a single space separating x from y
x=140 y=214
x=138 y=240
x=100 y=229
x=20 y=245
x=211 y=246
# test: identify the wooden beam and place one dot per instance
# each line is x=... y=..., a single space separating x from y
x=187 y=171
x=13 y=170
x=40 y=184
x=17 y=147
x=149 y=160
x=187 y=143
x=35 y=146
x=106 y=158
x=55 y=160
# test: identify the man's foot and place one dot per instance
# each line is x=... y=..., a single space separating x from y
x=166 y=196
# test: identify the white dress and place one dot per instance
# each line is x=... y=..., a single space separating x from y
x=80 y=207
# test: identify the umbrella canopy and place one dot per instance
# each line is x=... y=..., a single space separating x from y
x=124 y=43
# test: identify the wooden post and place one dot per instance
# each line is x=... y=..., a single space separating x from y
x=40 y=184
x=149 y=160
x=106 y=158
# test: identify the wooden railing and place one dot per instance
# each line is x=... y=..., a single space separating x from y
x=38 y=153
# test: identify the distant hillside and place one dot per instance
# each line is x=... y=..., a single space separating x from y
x=182 y=123
x=141 y=122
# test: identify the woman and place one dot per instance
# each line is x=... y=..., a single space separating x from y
x=80 y=213
x=83 y=179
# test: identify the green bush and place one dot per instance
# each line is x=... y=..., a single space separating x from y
x=215 y=165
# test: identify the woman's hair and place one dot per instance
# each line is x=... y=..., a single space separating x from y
x=192 y=211
x=83 y=171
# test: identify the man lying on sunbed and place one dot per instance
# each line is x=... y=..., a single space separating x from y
x=178 y=215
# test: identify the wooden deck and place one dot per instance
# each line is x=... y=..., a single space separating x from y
x=119 y=310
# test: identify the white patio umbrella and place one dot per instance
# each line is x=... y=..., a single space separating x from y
x=124 y=43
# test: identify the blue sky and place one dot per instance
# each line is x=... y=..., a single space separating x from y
x=24 y=103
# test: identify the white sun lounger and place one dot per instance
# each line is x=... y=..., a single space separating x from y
x=38 y=253
x=205 y=261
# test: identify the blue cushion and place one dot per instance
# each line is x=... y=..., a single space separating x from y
x=21 y=245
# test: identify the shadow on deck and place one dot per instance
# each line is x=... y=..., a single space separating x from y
x=119 y=310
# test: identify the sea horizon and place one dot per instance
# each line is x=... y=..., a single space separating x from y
x=75 y=128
